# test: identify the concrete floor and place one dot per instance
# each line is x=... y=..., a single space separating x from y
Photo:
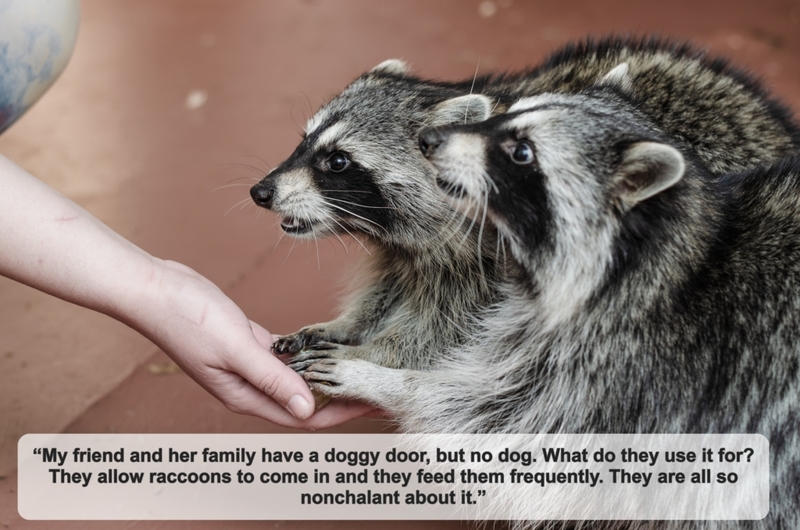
x=116 y=134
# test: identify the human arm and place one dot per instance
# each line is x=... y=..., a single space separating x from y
x=50 y=243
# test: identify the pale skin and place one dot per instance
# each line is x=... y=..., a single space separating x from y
x=50 y=243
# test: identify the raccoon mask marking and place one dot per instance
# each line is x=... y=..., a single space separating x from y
x=558 y=175
x=359 y=163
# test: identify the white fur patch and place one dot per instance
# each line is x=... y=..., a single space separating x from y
x=316 y=120
x=331 y=136
x=529 y=103
x=297 y=197
x=461 y=161
x=391 y=66
x=618 y=77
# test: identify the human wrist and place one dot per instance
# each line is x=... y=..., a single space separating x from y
x=144 y=297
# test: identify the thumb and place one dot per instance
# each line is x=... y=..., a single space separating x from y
x=269 y=375
x=264 y=337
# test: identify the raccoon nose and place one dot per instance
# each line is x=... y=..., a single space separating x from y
x=429 y=140
x=263 y=193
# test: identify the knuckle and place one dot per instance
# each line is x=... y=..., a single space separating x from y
x=270 y=384
x=236 y=408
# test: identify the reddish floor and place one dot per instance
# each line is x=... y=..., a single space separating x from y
x=116 y=134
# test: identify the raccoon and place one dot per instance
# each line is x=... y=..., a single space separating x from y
x=654 y=297
x=649 y=294
x=358 y=171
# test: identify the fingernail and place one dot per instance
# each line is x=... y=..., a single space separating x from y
x=299 y=407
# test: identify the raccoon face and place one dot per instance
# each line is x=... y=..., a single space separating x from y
x=558 y=176
x=358 y=168
x=325 y=188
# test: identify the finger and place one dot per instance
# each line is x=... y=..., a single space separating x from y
x=335 y=413
x=247 y=399
x=264 y=337
x=269 y=375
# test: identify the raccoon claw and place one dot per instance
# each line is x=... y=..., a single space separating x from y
x=322 y=373
x=321 y=366
x=303 y=360
x=296 y=342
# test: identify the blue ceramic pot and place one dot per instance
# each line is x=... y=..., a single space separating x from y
x=36 y=41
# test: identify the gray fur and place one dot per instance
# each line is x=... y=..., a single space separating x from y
x=677 y=312
x=429 y=273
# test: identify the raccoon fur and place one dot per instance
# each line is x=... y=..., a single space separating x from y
x=650 y=295
x=358 y=171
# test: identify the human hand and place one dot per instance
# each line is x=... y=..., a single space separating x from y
x=212 y=340
x=54 y=245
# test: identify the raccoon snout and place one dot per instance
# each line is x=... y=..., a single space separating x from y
x=429 y=140
x=263 y=193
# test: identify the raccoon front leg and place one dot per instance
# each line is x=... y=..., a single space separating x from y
x=361 y=321
x=343 y=330
x=332 y=373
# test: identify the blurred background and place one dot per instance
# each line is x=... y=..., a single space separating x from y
x=171 y=109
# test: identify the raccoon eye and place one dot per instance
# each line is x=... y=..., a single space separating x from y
x=522 y=153
x=338 y=162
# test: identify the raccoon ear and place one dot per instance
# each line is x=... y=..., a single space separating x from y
x=647 y=168
x=391 y=67
x=463 y=109
x=617 y=77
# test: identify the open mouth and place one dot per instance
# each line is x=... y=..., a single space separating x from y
x=295 y=226
x=451 y=189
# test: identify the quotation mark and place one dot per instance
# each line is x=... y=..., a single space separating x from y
x=37 y=451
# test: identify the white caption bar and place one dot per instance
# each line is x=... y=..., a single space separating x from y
x=393 y=477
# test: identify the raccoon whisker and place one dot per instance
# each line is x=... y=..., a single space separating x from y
x=471 y=88
x=310 y=108
x=473 y=204
x=490 y=180
x=316 y=244
x=244 y=178
x=294 y=242
x=235 y=184
x=258 y=158
x=475 y=76
x=363 y=206
x=337 y=235
x=480 y=237
x=240 y=203
x=300 y=130
x=351 y=235
x=345 y=191
x=250 y=167
x=501 y=243
x=345 y=210
x=464 y=219
x=456 y=222
x=279 y=239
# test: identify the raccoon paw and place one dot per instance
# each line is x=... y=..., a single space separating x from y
x=355 y=379
x=338 y=372
x=323 y=373
x=298 y=341
x=306 y=358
